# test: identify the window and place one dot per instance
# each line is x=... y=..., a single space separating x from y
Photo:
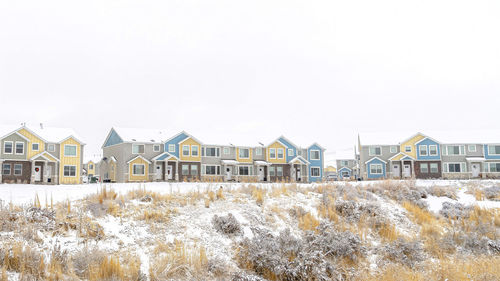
x=185 y=150
x=195 y=150
x=423 y=150
x=493 y=149
x=394 y=149
x=51 y=147
x=7 y=147
x=424 y=168
x=69 y=171
x=455 y=149
x=212 y=170
x=433 y=151
x=271 y=171
x=226 y=151
x=290 y=152
x=244 y=170
x=185 y=170
x=434 y=168
x=19 y=147
x=35 y=146
x=376 y=169
x=280 y=153
x=345 y=174
x=455 y=167
x=244 y=153
x=194 y=170
x=212 y=151
x=137 y=148
x=272 y=153
x=375 y=151
x=91 y=166
x=18 y=169
x=258 y=151
x=344 y=163
x=472 y=148
x=171 y=148
x=314 y=154
x=408 y=148
x=6 y=169
x=494 y=167
x=138 y=169
x=156 y=148
x=69 y=150
x=314 y=171
x=279 y=171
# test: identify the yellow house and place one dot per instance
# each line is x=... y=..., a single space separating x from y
x=138 y=169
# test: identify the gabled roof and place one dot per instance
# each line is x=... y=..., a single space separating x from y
x=301 y=159
x=142 y=135
x=285 y=139
x=187 y=137
x=163 y=156
x=139 y=156
x=345 y=168
x=374 y=159
x=401 y=154
x=445 y=136
x=47 y=134
x=316 y=144
x=47 y=156
x=427 y=138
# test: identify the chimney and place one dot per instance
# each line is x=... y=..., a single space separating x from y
x=41 y=125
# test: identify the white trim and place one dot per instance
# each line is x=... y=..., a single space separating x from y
x=430 y=168
x=166 y=159
x=275 y=154
x=70 y=171
x=11 y=148
x=171 y=145
x=345 y=167
x=454 y=163
x=258 y=151
x=15 y=148
x=183 y=140
x=310 y=154
x=10 y=168
x=472 y=150
x=226 y=150
x=155 y=146
x=76 y=150
x=53 y=145
x=376 y=164
x=282 y=173
x=459 y=150
x=245 y=166
x=371 y=159
x=425 y=138
x=290 y=152
x=138 y=156
x=437 y=150
x=282 y=153
x=239 y=153
x=420 y=150
x=197 y=152
x=301 y=159
x=42 y=154
x=319 y=172
x=487 y=167
x=488 y=149
x=133 y=169
x=37 y=146
x=395 y=148
x=411 y=149
x=188 y=150
x=20 y=174
x=204 y=169
x=137 y=145
x=374 y=146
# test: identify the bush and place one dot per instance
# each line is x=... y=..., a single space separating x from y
x=492 y=193
x=455 y=210
x=226 y=225
x=404 y=252
x=352 y=210
x=443 y=191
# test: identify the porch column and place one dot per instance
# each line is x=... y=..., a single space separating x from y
x=57 y=173
x=44 y=174
x=32 y=178
x=413 y=169
x=1 y=170
x=177 y=172
x=155 y=171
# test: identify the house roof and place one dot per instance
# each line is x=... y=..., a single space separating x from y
x=442 y=136
x=48 y=134
x=143 y=135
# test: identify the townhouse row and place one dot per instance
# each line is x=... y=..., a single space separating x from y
x=139 y=155
x=40 y=154
x=423 y=157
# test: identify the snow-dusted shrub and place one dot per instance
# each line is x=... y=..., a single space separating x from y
x=455 y=210
x=443 y=191
x=227 y=224
x=297 y=212
x=44 y=218
x=243 y=276
x=97 y=209
x=352 y=210
x=216 y=266
x=399 y=190
x=405 y=252
x=492 y=193
x=475 y=243
x=422 y=204
x=494 y=246
x=85 y=258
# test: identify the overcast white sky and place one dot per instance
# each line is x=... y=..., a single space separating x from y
x=227 y=70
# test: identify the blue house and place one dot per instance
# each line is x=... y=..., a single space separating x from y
x=315 y=155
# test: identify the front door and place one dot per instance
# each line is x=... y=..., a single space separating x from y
x=38 y=173
x=475 y=170
x=407 y=171
x=159 y=172
x=169 y=172
x=261 y=173
x=395 y=171
x=299 y=176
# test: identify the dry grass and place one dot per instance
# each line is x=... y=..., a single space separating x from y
x=259 y=194
x=308 y=222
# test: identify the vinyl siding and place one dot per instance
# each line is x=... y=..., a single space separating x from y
x=70 y=160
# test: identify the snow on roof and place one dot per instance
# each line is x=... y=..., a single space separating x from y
x=49 y=134
x=442 y=136
x=142 y=134
x=347 y=153
x=7 y=129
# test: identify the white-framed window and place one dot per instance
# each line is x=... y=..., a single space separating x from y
x=472 y=148
x=212 y=170
x=91 y=166
x=244 y=153
x=494 y=149
x=315 y=155
x=376 y=169
x=375 y=151
x=315 y=172
x=69 y=171
x=8 y=147
x=19 y=147
x=424 y=168
x=18 y=169
x=272 y=172
x=455 y=150
x=290 y=152
x=244 y=170
x=344 y=163
x=345 y=174
x=6 y=169
x=212 y=152
x=493 y=167
x=195 y=150
x=138 y=169
x=185 y=150
x=280 y=153
x=156 y=148
x=433 y=150
x=394 y=149
x=51 y=147
x=171 y=147
x=185 y=170
x=226 y=151
x=272 y=153
x=454 y=167
x=407 y=148
x=434 y=168
x=279 y=171
x=70 y=150
x=194 y=170
x=422 y=150
x=258 y=151
x=137 y=148
x=35 y=146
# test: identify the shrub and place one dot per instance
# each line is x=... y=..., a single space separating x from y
x=443 y=191
x=226 y=225
x=492 y=193
x=405 y=252
x=455 y=210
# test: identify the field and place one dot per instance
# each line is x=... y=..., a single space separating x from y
x=379 y=230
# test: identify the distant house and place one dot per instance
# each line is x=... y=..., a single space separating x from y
x=346 y=164
x=39 y=154
x=330 y=172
